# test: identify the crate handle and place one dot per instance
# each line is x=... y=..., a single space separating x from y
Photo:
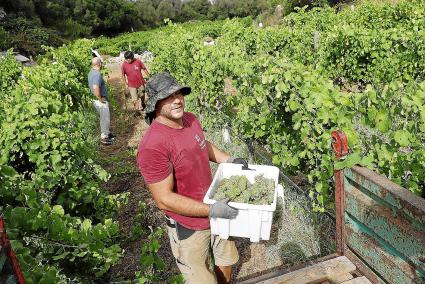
x=281 y=193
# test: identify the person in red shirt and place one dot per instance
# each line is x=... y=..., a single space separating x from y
x=173 y=157
x=133 y=78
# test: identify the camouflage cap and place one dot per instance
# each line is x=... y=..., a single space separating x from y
x=161 y=86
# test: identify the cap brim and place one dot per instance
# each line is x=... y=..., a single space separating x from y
x=185 y=90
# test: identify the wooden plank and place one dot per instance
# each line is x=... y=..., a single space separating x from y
x=396 y=231
x=358 y=280
x=396 y=197
x=316 y=273
x=340 y=278
x=254 y=279
x=362 y=268
x=392 y=268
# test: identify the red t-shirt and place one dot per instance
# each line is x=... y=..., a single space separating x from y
x=133 y=71
x=183 y=152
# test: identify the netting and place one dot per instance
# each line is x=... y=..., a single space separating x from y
x=298 y=233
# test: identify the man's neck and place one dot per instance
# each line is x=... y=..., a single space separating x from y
x=176 y=124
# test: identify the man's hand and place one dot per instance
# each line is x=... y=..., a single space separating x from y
x=124 y=80
x=241 y=161
x=220 y=209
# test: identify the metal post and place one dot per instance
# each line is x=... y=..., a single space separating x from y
x=340 y=147
x=7 y=248
x=316 y=36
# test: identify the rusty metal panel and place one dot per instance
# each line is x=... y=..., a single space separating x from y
x=385 y=226
x=392 y=195
x=340 y=147
x=396 y=269
x=393 y=229
x=362 y=267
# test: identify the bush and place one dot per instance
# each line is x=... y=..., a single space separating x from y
x=29 y=36
x=6 y=39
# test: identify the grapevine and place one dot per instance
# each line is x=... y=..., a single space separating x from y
x=57 y=217
x=364 y=76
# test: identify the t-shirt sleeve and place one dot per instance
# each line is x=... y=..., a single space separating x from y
x=154 y=165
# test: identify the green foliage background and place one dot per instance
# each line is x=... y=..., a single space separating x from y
x=29 y=24
x=57 y=217
x=364 y=75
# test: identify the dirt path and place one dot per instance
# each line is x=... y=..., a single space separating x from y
x=119 y=160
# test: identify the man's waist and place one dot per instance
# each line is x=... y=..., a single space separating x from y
x=136 y=84
x=96 y=98
x=170 y=222
x=193 y=223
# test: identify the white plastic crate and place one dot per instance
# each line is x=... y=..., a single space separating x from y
x=253 y=221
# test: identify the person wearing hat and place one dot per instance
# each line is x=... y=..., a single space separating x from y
x=173 y=157
x=133 y=78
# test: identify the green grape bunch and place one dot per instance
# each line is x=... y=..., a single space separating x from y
x=239 y=189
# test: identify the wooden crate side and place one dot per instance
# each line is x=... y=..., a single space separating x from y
x=254 y=279
x=385 y=226
x=396 y=231
x=358 y=280
x=392 y=269
x=392 y=195
x=363 y=268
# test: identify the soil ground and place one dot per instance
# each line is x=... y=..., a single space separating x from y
x=119 y=160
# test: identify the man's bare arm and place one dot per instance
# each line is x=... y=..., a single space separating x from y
x=124 y=79
x=144 y=68
x=144 y=72
x=166 y=199
x=96 y=90
x=215 y=154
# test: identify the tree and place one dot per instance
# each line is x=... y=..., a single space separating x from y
x=144 y=15
x=222 y=9
x=194 y=10
x=6 y=39
x=20 y=7
x=167 y=9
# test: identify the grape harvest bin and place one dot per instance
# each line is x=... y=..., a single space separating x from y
x=253 y=221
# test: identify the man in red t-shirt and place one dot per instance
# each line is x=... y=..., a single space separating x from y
x=133 y=78
x=173 y=157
